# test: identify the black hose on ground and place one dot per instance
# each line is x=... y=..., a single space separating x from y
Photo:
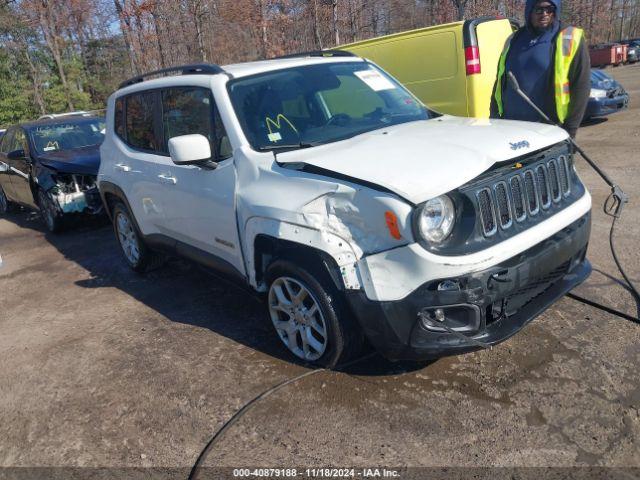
x=613 y=207
x=245 y=408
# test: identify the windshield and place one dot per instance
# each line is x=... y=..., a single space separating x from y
x=317 y=104
x=52 y=137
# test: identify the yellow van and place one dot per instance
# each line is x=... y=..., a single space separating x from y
x=451 y=68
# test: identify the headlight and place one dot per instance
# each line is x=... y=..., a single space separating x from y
x=598 y=93
x=436 y=218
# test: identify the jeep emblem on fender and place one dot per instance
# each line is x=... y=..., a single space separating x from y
x=518 y=145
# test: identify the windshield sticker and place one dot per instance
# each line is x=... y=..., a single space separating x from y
x=278 y=123
x=51 y=146
x=275 y=137
x=375 y=80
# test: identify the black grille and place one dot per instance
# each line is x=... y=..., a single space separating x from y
x=531 y=191
x=543 y=186
x=563 y=173
x=554 y=181
x=520 y=195
x=517 y=193
x=504 y=207
x=487 y=213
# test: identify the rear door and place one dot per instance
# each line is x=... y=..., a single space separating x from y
x=140 y=157
x=488 y=36
x=429 y=62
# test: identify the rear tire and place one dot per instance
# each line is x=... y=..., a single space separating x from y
x=136 y=253
x=310 y=315
x=52 y=217
x=5 y=205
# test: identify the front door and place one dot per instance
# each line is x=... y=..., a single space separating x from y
x=200 y=201
x=21 y=169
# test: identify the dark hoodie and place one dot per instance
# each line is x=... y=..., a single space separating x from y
x=531 y=59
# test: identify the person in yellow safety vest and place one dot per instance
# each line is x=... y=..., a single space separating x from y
x=551 y=63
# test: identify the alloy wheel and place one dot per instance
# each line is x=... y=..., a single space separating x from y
x=128 y=239
x=297 y=318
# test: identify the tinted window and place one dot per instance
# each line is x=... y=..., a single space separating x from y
x=139 y=121
x=118 y=118
x=186 y=111
x=6 y=141
x=190 y=110
x=19 y=141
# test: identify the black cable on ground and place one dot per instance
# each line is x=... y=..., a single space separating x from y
x=236 y=416
x=603 y=307
x=613 y=207
x=633 y=288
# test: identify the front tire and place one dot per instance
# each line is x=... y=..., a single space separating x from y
x=50 y=214
x=137 y=254
x=310 y=315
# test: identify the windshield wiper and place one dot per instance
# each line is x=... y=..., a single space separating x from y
x=288 y=146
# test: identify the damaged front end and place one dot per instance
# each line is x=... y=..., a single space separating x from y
x=75 y=193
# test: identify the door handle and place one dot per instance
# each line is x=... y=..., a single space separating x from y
x=122 y=167
x=168 y=179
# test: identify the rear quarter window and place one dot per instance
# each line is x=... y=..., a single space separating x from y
x=118 y=118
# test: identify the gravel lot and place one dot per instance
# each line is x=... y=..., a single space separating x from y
x=100 y=367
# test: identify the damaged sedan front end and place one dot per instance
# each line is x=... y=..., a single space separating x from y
x=76 y=194
x=52 y=166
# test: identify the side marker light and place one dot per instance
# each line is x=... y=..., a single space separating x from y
x=392 y=224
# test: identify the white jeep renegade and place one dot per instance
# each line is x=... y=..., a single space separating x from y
x=358 y=213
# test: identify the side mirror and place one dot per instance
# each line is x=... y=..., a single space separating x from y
x=16 y=155
x=190 y=149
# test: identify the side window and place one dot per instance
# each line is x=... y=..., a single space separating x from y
x=190 y=110
x=139 y=121
x=185 y=111
x=118 y=118
x=20 y=141
x=7 y=141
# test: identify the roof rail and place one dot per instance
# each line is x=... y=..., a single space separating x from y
x=318 y=53
x=193 y=69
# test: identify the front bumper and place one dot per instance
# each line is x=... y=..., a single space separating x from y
x=489 y=306
x=600 y=107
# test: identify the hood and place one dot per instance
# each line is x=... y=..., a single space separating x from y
x=421 y=160
x=602 y=81
x=85 y=161
x=532 y=3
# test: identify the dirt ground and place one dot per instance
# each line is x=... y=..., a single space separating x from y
x=100 y=367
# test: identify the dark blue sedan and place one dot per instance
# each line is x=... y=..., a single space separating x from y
x=607 y=96
x=52 y=166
